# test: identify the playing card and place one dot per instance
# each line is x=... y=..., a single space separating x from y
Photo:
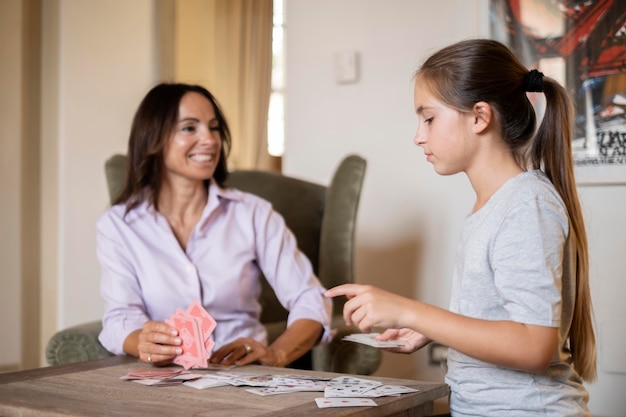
x=160 y=378
x=207 y=381
x=208 y=323
x=159 y=382
x=208 y=347
x=349 y=386
x=344 y=402
x=281 y=380
x=312 y=387
x=254 y=381
x=388 y=390
x=346 y=390
x=194 y=326
x=264 y=391
x=194 y=353
x=370 y=340
x=151 y=373
x=306 y=377
x=351 y=380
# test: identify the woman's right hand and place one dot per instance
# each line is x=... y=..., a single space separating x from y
x=156 y=343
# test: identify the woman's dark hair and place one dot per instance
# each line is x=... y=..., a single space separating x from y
x=153 y=124
x=476 y=70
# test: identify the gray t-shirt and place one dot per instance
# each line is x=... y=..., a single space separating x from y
x=515 y=262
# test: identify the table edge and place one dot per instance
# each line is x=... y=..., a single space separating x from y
x=68 y=368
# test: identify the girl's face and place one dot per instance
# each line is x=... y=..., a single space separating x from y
x=193 y=149
x=443 y=132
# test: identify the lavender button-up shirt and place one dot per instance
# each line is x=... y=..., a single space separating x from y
x=146 y=275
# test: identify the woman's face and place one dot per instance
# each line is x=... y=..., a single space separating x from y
x=442 y=132
x=192 y=151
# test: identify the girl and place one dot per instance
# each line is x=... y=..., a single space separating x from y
x=519 y=327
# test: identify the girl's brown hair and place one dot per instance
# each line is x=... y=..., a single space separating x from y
x=485 y=70
x=152 y=126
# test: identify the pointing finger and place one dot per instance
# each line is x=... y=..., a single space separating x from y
x=349 y=290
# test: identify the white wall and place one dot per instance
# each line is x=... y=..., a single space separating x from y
x=410 y=218
x=103 y=64
x=98 y=61
x=107 y=67
x=10 y=178
x=606 y=225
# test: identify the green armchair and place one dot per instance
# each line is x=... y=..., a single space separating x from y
x=323 y=221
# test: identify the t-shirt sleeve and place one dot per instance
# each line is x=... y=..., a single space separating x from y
x=527 y=262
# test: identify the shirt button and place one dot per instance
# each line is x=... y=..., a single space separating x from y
x=190 y=269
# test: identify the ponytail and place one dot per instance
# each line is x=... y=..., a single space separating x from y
x=551 y=150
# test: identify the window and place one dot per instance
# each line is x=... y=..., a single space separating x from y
x=276 y=114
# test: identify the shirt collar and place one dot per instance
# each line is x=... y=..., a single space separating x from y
x=216 y=197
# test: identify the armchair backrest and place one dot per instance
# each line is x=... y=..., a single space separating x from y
x=322 y=218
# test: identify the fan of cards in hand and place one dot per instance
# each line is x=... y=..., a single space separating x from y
x=194 y=326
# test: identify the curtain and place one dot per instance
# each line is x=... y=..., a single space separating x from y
x=226 y=45
x=244 y=57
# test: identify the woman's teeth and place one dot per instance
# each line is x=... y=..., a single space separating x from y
x=202 y=158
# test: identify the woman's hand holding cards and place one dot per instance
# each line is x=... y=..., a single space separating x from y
x=158 y=343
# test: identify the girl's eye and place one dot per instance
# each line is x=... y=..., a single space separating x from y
x=429 y=120
x=189 y=129
x=214 y=128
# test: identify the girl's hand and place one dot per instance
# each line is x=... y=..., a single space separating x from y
x=369 y=307
x=412 y=340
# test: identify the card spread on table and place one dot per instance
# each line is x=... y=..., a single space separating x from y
x=348 y=386
x=370 y=340
x=344 y=402
x=159 y=373
x=340 y=387
x=194 y=326
x=160 y=377
x=341 y=391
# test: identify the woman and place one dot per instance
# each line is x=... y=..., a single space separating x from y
x=175 y=235
x=519 y=327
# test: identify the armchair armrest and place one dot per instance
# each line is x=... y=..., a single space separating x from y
x=76 y=344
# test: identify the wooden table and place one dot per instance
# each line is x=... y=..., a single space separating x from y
x=95 y=389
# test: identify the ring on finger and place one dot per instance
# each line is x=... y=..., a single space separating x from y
x=247 y=347
x=149 y=357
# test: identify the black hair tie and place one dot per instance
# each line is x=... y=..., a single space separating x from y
x=533 y=81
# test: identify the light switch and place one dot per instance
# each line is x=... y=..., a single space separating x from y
x=346 y=65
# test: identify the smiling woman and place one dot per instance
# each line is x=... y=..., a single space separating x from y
x=176 y=234
x=193 y=149
x=172 y=116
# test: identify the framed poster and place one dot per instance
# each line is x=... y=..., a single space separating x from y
x=582 y=44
